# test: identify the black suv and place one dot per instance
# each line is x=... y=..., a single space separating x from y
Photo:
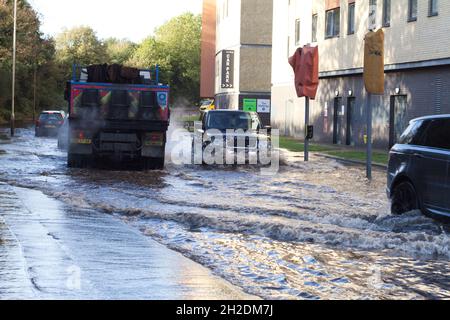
x=419 y=168
x=247 y=134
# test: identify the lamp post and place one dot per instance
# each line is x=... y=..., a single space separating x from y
x=14 y=71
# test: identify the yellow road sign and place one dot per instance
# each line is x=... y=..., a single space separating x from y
x=374 y=62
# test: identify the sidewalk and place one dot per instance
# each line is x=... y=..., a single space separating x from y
x=49 y=251
x=338 y=152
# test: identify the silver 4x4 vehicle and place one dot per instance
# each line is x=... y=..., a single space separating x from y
x=235 y=131
x=419 y=168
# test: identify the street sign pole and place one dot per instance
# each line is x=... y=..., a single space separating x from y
x=34 y=92
x=369 y=135
x=14 y=72
x=373 y=81
x=306 y=129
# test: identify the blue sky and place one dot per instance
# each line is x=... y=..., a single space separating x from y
x=132 y=19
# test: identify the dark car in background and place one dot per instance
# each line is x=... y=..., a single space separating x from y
x=419 y=168
x=48 y=123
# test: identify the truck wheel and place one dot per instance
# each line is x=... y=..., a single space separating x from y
x=159 y=163
x=152 y=163
x=78 y=161
x=145 y=164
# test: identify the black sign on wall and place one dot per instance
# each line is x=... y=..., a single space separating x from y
x=227 y=69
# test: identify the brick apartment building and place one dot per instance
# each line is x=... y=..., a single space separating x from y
x=242 y=58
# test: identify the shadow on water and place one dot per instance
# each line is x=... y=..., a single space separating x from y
x=113 y=176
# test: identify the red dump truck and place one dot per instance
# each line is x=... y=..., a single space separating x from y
x=117 y=115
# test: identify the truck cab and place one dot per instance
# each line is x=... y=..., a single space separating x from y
x=115 y=117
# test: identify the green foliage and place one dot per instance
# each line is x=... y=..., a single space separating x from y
x=34 y=53
x=342 y=152
x=298 y=146
x=79 y=45
x=377 y=157
x=176 y=48
x=119 y=50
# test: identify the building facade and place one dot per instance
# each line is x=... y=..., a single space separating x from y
x=208 y=49
x=243 y=55
x=417 y=66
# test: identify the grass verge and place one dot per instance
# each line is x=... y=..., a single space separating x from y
x=334 y=151
x=297 y=146
x=191 y=118
x=377 y=157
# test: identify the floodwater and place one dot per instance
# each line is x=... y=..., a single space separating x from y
x=315 y=230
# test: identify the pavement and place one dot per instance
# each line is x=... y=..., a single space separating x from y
x=49 y=252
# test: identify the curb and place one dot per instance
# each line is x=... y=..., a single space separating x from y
x=377 y=165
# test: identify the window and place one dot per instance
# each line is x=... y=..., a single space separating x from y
x=225 y=9
x=412 y=134
x=297 y=31
x=50 y=116
x=433 y=8
x=386 y=13
x=217 y=17
x=332 y=24
x=437 y=135
x=351 y=18
x=412 y=10
x=288 y=47
x=314 y=28
x=372 y=14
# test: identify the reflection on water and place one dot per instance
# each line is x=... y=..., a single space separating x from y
x=316 y=230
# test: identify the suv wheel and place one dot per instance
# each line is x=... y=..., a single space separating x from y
x=404 y=198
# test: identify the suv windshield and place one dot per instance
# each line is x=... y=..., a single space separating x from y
x=231 y=120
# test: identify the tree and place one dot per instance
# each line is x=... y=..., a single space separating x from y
x=28 y=33
x=34 y=53
x=119 y=50
x=79 y=45
x=176 y=48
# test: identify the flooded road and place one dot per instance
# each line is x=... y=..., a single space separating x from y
x=313 y=231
